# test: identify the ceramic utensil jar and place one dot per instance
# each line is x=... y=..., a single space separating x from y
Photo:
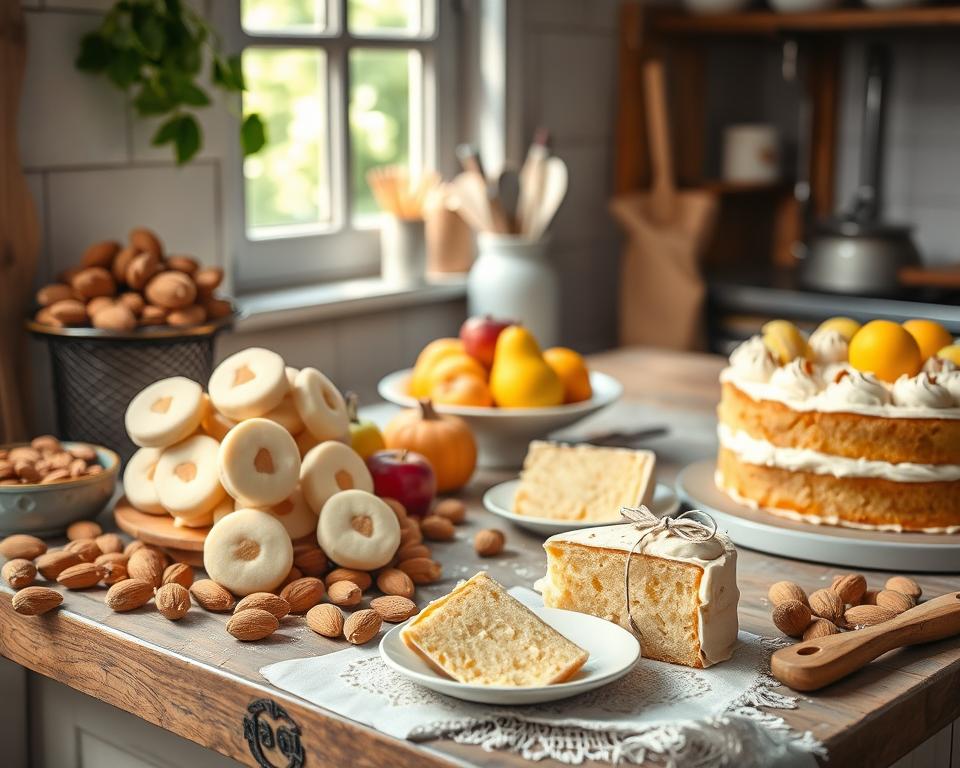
x=403 y=251
x=513 y=278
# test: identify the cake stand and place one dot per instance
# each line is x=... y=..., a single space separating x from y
x=845 y=547
x=185 y=545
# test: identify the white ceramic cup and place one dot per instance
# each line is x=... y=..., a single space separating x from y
x=751 y=153
x=403 y=251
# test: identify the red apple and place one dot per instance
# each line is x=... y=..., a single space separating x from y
x=479 y=336
x=406 y=476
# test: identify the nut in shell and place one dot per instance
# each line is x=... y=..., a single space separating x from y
x=859 y=616
x=827 y=604
x=35 y=601
x=850 y=587
x=344 y=593
x=489 y=542
x=819 y=628
x=898 y=602
x=211 y=596
x=173 y=601
x=303 y=594
x=361 y=578
x=266 y=601
x=252 y=624
x=82 y=576
x=325 y=619
x=782 y=591
x=178 y=573
x=19 y=573
x=394 y=608
x=393 y=581
x=128 y=595
x=362 y=626
x=792 y=617
x=22 y=545
x=436 y=528
x=904 y=585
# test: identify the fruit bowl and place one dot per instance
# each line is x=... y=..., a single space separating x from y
x=504 y=433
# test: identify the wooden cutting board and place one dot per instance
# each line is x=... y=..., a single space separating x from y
x=183 y=544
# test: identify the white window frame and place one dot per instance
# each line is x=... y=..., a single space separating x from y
x=346 y=251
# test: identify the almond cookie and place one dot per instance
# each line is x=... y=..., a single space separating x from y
x=296 y=515
x=226 y=507
x=93 y=281
x=116 y=317
x=142 y=267
x=320 y=405
x=259 y=463
x=165 y=412
x=329 y=468
x=138 y=481
x=187 y=479
x=172 y=289
x=249 y=383
x=248 y=551
x=358 y=530
x=191 y=315
x=215 y=423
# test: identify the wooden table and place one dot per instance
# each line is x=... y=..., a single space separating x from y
x=193 y=679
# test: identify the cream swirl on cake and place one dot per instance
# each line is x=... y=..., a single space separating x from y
x=797 y=379
x=856 y=388
x=921 y=391
x=828 y=346
x=939 y=365
x=951 y=382
x=752 y=360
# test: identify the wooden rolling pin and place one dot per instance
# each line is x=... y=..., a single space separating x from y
x=810 y=665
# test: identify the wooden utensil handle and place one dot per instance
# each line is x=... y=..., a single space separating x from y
x=931 y=277
x=658 y=128
x=812 y=664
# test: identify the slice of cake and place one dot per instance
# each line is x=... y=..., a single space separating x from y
x=683 y=594
x=481 y=635
x=582 y=482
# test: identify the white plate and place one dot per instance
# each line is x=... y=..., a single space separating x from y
x=499 y=501
x=503 y=434
x=613 y=652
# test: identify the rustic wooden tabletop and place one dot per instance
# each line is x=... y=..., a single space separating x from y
x=194 y=679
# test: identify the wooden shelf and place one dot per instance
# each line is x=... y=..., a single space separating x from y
x=833 y=21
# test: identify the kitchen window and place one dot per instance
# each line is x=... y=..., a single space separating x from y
x=343 y=86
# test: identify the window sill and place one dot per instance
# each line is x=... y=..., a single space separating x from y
x=296 y=306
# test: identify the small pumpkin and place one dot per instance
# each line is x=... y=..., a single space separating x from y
x=445 y=440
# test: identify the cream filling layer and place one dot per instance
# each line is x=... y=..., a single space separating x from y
x=752 y=450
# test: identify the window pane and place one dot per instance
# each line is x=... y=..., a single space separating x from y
x=389 y=17
x=288 y=181
x=301 y=17
x=385 y=116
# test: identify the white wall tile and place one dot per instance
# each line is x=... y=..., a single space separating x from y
x=368 y=348
x=179 y=204
x=301 y=346
x=421 y=325
x=67 y=117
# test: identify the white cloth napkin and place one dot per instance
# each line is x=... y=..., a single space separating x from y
x=662 y=712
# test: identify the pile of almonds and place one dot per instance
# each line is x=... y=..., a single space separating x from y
x=119 y=288
x=847 y=604
x=45 y=461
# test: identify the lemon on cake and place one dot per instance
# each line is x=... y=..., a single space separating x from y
x=582 y=482
x=481 y=635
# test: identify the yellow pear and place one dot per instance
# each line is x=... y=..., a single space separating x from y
x=520 y=377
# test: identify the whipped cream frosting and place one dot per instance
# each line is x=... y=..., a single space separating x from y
x=752 y=450
x=951 y=382
x=856 y=388
x=797 y=379
x=828 y=346
x=717 y=612
x=921 y=391
x=753 y=361
x=939 y=365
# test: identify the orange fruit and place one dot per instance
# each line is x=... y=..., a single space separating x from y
x=451 y=366
x=930 y=336
x=845 y=326
x=572 y=371
x=429 y=356
x=463 y=389
x=885 y=349
x=784 y=341
x=951 y=353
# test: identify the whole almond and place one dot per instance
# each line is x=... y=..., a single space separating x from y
x=113 y=572
x=145 y=240
x=52 y=293
x=362 y=626
x=786 y=590
x=344 y=593
x=325 y=619
x=819 y=628
x=51 y=564
x=109 y=543
x=904 y=585
x=112 y=557
x=850 y=587
x=393 y=581
x=83 y=529
x=394 y=608
x=436 y=528
x=294 y=574
x=398 y=509
x=265 y=601
x=178 y=573
x=311 y=562
x=82 y=576
x=211 y=596
x=303 y=594
x=489 y=542
x=128 y=595
x=68 y=312
x=453 y=510
x=92 y=282
x=252 y=624
x=146 y=564
x=133 y=546
x=87 y=549
x=19 y=573
x=116 y=317
x=361 y=578
x=421 y=569
x=413 y=550
x=34 y=601
x=100 y=254
x=827 y=604
x=866 y=616
x=22 y=545
x=410 y=533
x=173 y=601
x=897 y=602
x=869 y=597
x=792 y=617
x=120 y=263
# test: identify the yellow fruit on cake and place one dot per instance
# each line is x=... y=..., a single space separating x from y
x=885 y=349
x=845 y=326
x=573 y=373
x=429 y=356
x=520 y=377
x=452 y=366
x=951 y=353
x=930 y=336
x=784 y=341
x=462 y=390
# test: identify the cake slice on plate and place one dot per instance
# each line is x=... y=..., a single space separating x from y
x=583 y=482
x=481 y=635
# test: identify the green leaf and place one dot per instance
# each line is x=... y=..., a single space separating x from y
x=153 y=99
x=228 y=73
x=95 y=53
x=148 y=28
x=253 y=134
x=183 y=132
x=185 y=91
x=124 y=67
x=167 y=132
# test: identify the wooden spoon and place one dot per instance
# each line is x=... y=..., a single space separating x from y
x=812 y=664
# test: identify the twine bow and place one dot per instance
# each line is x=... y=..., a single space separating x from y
x=693 y=525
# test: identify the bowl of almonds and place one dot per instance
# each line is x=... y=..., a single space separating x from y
x=46 y=484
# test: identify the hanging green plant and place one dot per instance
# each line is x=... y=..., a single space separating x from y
x=154 y=50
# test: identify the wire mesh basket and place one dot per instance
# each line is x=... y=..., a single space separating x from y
x=97 y=373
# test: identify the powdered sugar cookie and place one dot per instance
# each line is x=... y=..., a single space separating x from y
x=320 y=405
x=165 y=412
x=138 y=483
x=358 y=530
x=286 y=415
x=329 y=468
x=296 y=515
x=187 y=478
x=259 y=463
x=249 y=383
x=248 y=551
